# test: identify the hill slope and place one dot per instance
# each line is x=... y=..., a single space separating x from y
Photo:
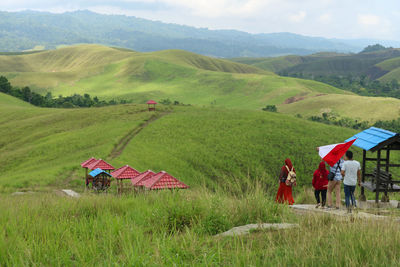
x=175 y=74
x=43 y=147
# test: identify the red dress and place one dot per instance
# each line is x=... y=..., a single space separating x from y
x=284 y=194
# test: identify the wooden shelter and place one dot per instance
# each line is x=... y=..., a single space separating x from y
x=379 y=141
x=125 y=173
x=86 y=163
x=101 y=180
x=151 y=105
x=163 y=180
x=138 y=180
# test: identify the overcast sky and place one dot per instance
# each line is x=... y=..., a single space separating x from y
x=328 y=18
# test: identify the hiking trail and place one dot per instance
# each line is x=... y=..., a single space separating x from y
x=125 y=140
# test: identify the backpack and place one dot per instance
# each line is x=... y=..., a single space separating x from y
x=291 y=178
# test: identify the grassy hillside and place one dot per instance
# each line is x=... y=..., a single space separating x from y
x=352 y=106
x=43 y=147
x=175 y=74
x=392 y=66
x=274 y=64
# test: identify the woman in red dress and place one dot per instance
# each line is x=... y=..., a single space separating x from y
x=284 y=194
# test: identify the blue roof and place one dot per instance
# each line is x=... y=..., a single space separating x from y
x=372 y=137
x=97 y=171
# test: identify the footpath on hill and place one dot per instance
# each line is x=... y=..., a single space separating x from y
x=119 y=148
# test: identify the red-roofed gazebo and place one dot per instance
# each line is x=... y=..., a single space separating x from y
x=124 y=173
x=163 y=180
x=101 y=164
x=152 y=105
x=138 y=180
x=85 y=165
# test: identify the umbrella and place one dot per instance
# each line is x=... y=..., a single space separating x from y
x=332 y=153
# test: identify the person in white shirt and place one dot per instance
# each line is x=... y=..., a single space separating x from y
x=351 y=173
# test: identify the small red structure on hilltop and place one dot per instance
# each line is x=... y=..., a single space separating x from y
x=151 y=105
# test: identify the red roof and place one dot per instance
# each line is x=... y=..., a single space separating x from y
x=86 y=163
x=125 y=172
x=163 y=180
x=138 y=180
x=151 y=102
x=101 y=164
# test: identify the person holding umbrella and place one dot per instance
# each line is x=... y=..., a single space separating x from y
x=332 y=155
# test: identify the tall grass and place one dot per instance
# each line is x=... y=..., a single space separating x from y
x=178 y=228
x=149 y=228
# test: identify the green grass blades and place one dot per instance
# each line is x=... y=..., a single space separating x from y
x=177 y=228
x=156 y=228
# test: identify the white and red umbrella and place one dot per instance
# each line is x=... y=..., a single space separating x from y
x=332 y=153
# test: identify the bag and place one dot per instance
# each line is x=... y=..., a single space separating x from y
x=331 y=175
x=291 y=178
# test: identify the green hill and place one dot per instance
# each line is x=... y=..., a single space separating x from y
x=43 y=147
x=175 y=74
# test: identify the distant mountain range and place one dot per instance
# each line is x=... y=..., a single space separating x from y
x=27 y=30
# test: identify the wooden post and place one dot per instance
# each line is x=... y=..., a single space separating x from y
x=362 y=196
x=386 y=197
x=378 y=174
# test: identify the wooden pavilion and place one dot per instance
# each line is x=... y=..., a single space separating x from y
x=163 y=180
x=151 y=105
x=101 y=164
x=138 y=180
x=87 y=163
x=379 y=141
x=125 y=173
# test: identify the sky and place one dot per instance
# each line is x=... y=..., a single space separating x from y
x=349 y=19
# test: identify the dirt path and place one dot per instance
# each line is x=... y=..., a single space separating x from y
x=119 y=148
x=341 y=213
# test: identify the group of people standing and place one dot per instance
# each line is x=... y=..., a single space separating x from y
x=325 y=182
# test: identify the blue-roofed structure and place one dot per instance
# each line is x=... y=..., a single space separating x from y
x=374 y=138
x=97 y=171
x=378 y=140
x=99 y=179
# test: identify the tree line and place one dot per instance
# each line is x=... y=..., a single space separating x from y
x=76 y=100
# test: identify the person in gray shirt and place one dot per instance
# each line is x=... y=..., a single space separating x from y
x=351 y=172
x=335 y=184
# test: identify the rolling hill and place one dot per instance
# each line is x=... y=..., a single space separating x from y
x=175 y=74
x=42 y=148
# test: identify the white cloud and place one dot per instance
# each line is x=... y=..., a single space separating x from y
x=368 y=19
x=325 y=18
x=298 y=17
